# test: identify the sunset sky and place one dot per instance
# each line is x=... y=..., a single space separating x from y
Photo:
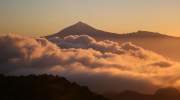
x=40 y=17
x=143 y=62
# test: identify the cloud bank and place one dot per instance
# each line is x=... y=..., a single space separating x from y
x=104 y=66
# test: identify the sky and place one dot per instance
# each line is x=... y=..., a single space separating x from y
x=42 y=17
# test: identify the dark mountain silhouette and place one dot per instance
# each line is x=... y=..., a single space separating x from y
x=167 y=94
x=81 y=28
x=160 y=43
x=43 y=87
x=48 y=87
x=161 y=94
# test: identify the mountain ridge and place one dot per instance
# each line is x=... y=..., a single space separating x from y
x=81 y=28
x=163 y=44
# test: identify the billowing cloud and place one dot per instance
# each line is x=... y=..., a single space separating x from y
x=102 y=65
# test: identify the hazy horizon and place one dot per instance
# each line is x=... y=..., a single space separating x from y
x=41 y=17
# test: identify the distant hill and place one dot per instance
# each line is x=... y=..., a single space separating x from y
x=161 y=94
x=43 y=87
x=168 y=46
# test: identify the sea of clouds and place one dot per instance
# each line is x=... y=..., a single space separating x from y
x=104 y=66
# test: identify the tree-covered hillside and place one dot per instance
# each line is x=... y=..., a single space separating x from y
x=43 y=87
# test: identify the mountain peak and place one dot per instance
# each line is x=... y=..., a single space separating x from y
x=81 y=24
x=81 y=28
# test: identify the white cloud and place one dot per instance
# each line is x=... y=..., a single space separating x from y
x=102 y=65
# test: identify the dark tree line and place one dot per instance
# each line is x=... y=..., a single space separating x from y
x=43 y=87
x=49 y=87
